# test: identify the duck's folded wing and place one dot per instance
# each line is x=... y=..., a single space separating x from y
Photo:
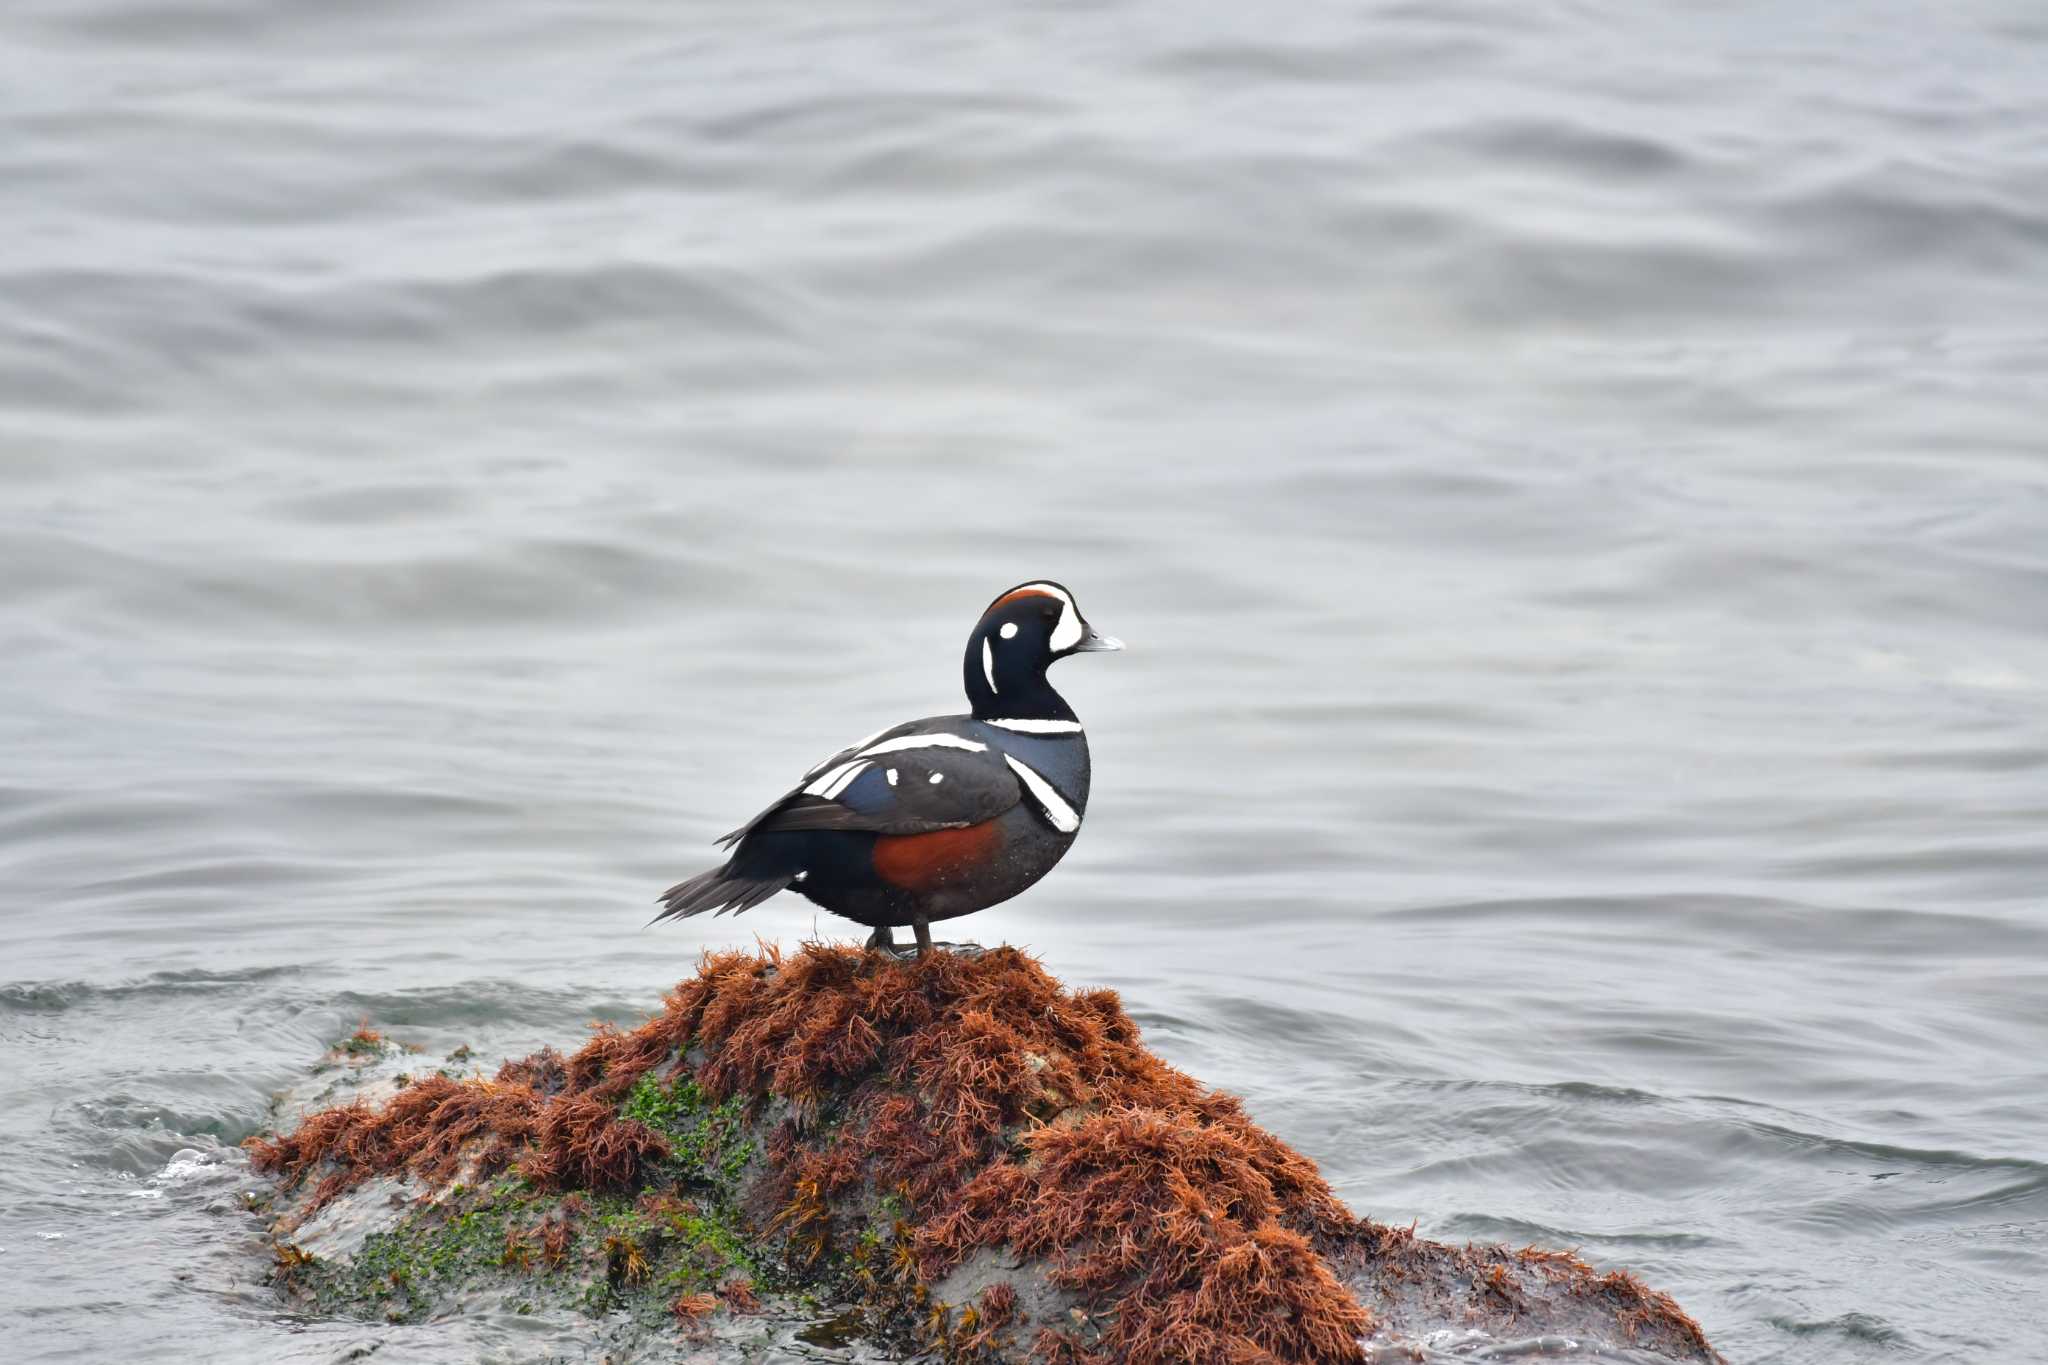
x=885 y=789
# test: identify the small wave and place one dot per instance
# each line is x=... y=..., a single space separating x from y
x=568 y=581
x=1970 y=759
x=836 y=121
x=1397 y=54
x=1587 y=1090
x=1784 y=925
x=1523 y=1232
x=1888 y=1154
x=49 y=997
x=1866 y=1327
x=1899 y=215
x=1574 y=148
x=173 y=324
x=500 y=1005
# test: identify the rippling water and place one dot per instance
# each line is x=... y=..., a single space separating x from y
x=1574 y=478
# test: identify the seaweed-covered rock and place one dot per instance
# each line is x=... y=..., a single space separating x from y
x=974 y=1161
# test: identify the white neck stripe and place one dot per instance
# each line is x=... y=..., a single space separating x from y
x=901 y=742
x=1038 y=727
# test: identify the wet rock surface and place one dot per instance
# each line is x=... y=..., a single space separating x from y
x=835 y=1156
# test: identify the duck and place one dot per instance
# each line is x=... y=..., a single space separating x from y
x=935 y=818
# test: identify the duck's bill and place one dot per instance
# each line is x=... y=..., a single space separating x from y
x=1093 y=643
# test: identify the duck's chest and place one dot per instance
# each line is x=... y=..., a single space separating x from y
x=1053 y=770
x=1034 y=834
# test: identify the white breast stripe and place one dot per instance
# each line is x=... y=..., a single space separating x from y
x=1038 y=727
x=1063 y=817
x=890 y=746
x=835 y=782
x=988 y=664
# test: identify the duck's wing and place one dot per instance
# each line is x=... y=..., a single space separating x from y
x=911 y=780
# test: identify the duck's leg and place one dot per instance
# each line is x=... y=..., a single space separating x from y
x=923 y=929
x=883 y=940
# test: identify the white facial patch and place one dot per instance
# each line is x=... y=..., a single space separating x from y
x=892 y=777
x=1058 y=811
x=1038 y=727
x=938 y=778
x=1067 y=633
x=988 y=663
x=890 y=746
x=1009 y=630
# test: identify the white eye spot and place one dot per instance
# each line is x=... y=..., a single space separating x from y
x=1009 y=631
x=892 y=777
x=938 y=778
x=799 y=877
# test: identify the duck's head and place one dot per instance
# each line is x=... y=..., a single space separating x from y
x=1019 y=636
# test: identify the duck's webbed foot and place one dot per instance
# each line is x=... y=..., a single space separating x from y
x=883 y=940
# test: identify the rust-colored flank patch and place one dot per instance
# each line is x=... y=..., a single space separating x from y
x=919 y=862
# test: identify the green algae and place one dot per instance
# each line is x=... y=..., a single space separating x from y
x=680 y=1233
x=368 y=1042
x=403 y=1272
x=704 y=1138
x=622 y=1254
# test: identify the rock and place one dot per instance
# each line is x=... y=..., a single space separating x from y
x=835 y=1155
x=336 y=1232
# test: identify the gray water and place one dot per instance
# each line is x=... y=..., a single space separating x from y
x=1574 y=479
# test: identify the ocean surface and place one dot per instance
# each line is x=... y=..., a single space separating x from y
x=1573 y=478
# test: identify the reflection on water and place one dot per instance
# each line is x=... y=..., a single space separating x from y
x=1571 y=479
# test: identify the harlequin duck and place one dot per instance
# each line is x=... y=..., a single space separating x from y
x=935 y=818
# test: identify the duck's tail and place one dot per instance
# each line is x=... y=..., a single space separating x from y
x=720 y=890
